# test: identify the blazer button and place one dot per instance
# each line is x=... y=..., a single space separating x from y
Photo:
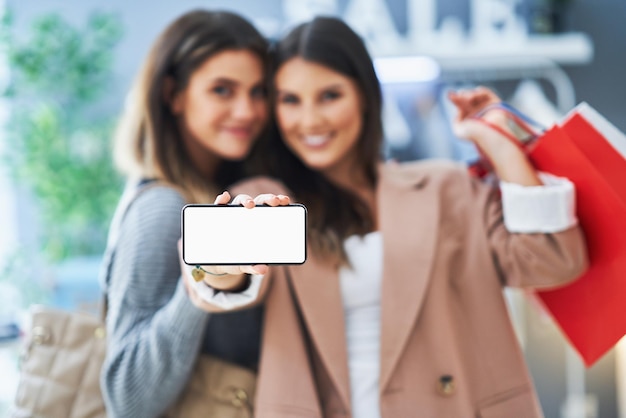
x=445 y=385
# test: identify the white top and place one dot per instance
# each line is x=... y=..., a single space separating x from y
x=360 y=291
x=543 y=209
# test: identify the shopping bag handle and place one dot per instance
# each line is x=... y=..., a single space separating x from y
x=519 y=122
x=516 y=114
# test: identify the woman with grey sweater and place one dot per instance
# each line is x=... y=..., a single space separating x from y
x=194 y=114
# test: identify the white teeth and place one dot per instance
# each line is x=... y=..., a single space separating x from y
x=315 y=140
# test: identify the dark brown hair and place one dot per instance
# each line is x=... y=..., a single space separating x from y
x=334 y=213
x=148 y=142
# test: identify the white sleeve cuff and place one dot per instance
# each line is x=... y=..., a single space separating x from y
x=548 y=208
x=228 y=300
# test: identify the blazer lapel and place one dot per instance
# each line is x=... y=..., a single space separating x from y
x=316 y=285
x=409 y=217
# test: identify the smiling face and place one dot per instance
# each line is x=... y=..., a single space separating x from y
x=224 y=107
x=320 y=115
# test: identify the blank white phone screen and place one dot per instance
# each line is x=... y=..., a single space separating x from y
x=225 y=234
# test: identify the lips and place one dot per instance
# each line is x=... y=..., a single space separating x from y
x=240 y=132
x=316 y=141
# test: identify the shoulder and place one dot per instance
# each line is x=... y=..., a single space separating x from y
x=436 y=171
x=446 y=185
x=445 y=181
x=159 y=193
x=156 y=205
x=155 y=198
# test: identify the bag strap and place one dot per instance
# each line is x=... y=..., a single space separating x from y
x=519 y=122
x=129 y=196
x=521 y=118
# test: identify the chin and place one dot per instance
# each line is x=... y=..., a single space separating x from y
x=317 y=165
x=237 y=155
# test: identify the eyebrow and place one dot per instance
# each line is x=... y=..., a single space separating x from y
x=230 y=81
x=329 y=87
x=333 y=86
x=224 y=80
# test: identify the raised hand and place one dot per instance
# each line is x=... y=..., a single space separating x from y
x=508 y=160
x=228 y=277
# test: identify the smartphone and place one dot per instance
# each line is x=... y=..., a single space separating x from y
x=234 y=235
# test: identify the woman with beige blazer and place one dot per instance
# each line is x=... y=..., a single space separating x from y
x=398 y=311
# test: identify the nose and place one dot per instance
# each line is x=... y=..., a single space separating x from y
x=310 y=118
x=244 y=108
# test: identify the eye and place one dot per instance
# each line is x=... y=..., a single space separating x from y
x=259 y=92
x=288 y=99
x=330 y=95
x=222 y=91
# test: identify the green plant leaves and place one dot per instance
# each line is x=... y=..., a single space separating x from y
x=59 y=134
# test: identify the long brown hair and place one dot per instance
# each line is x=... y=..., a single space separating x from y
x=334 y=213
x=148 y=143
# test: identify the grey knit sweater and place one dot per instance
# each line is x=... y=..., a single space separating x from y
x=154 y=332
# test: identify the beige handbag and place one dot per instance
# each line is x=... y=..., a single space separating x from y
x=216 y=389
x=60 y=371
x=60 y=374
x=60 y=366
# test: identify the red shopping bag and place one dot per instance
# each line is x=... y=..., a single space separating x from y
x=601 y=141
x=590 y=151
x=590 y=311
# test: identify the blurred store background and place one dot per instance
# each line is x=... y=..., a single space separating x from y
x=65 y=66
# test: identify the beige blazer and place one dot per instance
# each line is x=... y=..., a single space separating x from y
x=448 y=349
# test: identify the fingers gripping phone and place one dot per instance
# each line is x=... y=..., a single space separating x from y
x=234 y=235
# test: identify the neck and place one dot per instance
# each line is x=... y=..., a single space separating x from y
x=204 y=161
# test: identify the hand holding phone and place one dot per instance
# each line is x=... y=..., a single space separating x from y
x=228 y=235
